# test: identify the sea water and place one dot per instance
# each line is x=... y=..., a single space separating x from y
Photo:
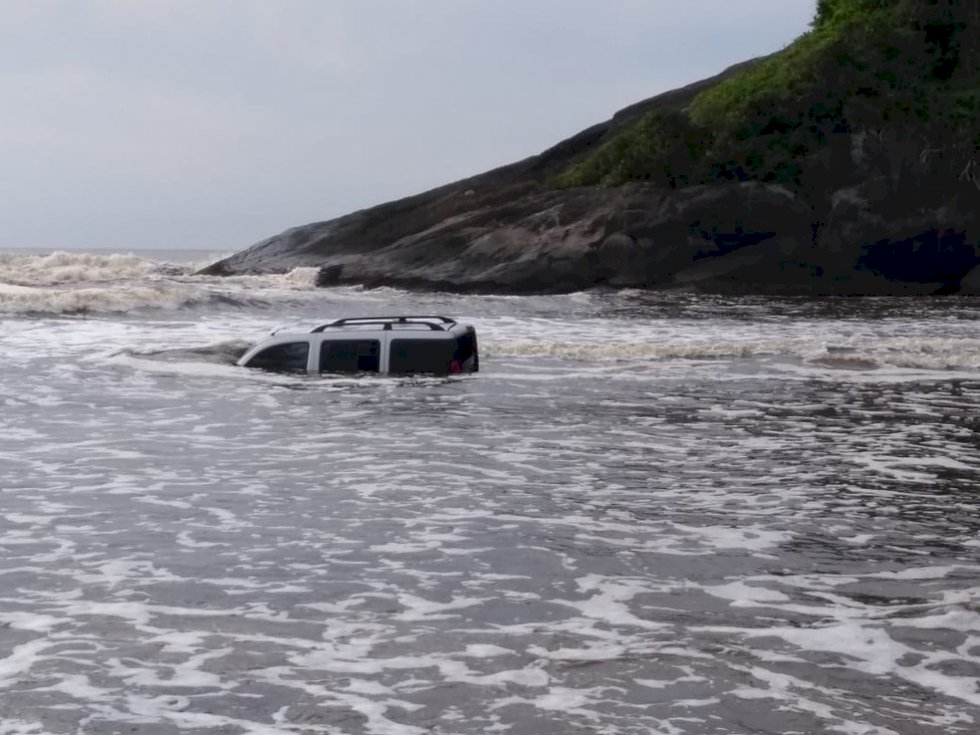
x=647 y=513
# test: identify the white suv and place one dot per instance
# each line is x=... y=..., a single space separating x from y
x=399 y=345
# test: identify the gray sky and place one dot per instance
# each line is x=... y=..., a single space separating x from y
x=215 y=123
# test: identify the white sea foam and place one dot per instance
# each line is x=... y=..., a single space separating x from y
x=919 y=353
x=15 y=726
x=297 y=279
x=566 y=541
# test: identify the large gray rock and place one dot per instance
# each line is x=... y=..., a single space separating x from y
x=918 y=235
x=747 y=237
x=544 y=241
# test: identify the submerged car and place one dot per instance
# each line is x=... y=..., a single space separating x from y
x=397 y=345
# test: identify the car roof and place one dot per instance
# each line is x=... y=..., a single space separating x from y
x=424 y=326
x=434 y=323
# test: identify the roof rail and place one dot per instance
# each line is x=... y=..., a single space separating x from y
x=389 y=320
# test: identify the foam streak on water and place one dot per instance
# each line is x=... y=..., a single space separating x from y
x=647 y=514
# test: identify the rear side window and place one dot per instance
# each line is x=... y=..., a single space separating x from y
x=421 y=356
x=350 y=356
x=466 y=352
x=287 y=358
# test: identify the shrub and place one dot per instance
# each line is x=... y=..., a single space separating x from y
x=865 y=65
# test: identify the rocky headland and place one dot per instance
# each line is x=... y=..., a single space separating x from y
x=849 y=163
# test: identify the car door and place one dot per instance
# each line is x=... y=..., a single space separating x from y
x=350 y=352
x=416 y=352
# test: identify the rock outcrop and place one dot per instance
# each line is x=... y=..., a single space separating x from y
x=508 y=232
x=870 y=190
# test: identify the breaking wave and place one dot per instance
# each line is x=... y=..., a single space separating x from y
x=60 y=268
x=90 y=283
x=105 y=300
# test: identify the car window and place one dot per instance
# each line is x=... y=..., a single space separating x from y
x=466 y=350
x=350 y=356
x=285 y=358
x=421 y=356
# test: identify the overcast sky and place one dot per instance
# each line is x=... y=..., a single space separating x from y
x=215 y=123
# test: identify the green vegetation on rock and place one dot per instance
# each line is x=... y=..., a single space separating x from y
x=901 y=74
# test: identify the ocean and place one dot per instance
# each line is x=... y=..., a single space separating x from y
x=648 y=513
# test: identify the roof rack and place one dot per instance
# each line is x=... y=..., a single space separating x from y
x=387 y=321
